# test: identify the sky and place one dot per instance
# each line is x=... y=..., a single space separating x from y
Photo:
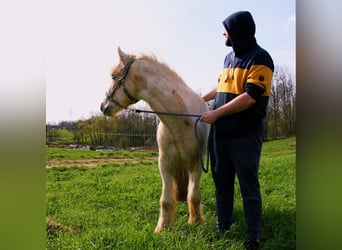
x=82 y=37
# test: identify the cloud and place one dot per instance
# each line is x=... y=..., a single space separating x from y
x=290 y=23
x=285 y=53
x=286 y=58
x=292 y=19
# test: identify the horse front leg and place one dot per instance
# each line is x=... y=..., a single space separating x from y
x=194 y=197
x=167 y=201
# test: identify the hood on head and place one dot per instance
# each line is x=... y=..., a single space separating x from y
x=241 y=30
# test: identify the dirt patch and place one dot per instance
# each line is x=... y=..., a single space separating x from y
x=53 y=227
x=99 y=162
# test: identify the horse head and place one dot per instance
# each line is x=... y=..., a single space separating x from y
x=121 y=93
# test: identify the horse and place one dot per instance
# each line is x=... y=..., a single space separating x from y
x=145 y=78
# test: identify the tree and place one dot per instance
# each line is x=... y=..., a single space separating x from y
x=281 y=115
x=52 y=135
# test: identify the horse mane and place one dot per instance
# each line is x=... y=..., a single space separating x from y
x=150 y=57
x=153 y=58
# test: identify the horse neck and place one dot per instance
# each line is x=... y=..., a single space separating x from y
x=164 y=90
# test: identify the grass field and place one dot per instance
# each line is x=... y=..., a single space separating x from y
x=113 y=203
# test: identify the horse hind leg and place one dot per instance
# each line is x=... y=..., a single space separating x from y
x=194 y=198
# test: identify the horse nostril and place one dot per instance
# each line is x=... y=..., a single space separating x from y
x=103 y=107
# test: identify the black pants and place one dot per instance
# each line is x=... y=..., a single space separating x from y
x=237 y=156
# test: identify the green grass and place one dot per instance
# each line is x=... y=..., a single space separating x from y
x=117 y=206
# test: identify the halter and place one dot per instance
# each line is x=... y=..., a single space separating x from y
x=110 y=96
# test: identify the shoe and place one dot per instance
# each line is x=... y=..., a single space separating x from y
x=221 y=232
x=222 y=228
x=252 y=244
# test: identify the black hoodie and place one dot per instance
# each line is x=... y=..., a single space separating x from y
x=248 y=68
x=241 y=30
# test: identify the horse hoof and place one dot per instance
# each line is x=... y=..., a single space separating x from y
x=158 y=229
x=195 y=221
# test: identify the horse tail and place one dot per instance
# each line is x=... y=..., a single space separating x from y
x=180 y=184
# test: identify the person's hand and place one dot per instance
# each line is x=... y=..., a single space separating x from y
x=209 y=117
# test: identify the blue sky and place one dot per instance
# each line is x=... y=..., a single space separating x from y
x=82 y=37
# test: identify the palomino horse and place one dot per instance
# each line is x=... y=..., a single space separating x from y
x=144 y=78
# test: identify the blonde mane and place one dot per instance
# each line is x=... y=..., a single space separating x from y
x=153 y=58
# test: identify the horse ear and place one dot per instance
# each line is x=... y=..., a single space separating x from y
x=123 y=56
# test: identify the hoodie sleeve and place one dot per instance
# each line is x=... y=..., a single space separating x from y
x=260 y=76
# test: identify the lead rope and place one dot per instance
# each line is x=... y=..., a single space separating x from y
x=205 y=169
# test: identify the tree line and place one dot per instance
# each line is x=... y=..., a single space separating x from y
x=281 y=111
x=139 y=129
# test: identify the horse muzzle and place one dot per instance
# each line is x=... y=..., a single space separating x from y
x=105 y=108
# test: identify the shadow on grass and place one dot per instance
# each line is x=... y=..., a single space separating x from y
x=279 y=229
x=278 y=232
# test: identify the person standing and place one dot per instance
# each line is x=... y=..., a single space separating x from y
x=235 y=141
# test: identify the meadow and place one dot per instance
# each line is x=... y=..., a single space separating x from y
x=110 y=200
